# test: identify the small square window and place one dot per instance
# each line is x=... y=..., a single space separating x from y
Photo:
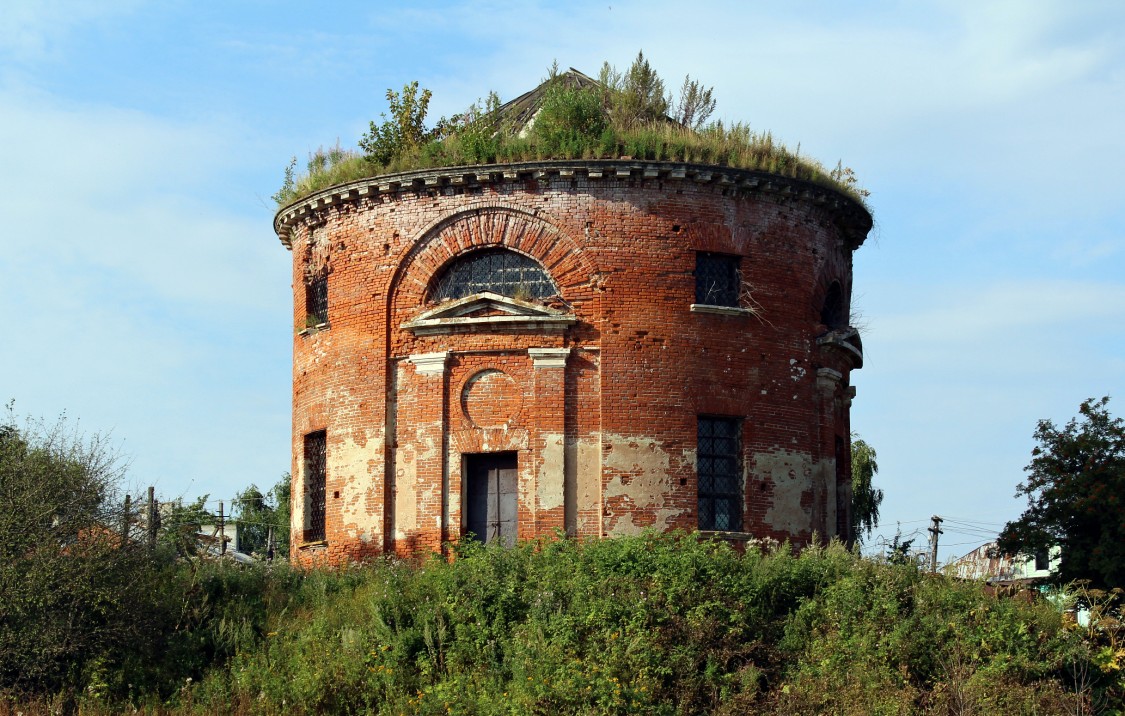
x=716 y=279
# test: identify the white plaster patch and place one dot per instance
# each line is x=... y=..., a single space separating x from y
x=550 y=483
x=650 y=481
x=790 y=474
x=354 y=463
x=406 y=496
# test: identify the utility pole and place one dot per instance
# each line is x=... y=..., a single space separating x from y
x=934 y=530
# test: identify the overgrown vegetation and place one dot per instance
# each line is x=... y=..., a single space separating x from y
x=94 y=622
x=627 y=114
x=651 y=624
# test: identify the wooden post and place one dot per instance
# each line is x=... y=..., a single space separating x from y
x=222 y=532
x=269 y=544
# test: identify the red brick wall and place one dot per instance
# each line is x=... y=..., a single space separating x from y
x=606 y=444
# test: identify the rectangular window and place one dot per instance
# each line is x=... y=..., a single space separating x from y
x=315 y=485
x=1042 y=561
x=716 y=279
x=719 y=466
x=316 y=301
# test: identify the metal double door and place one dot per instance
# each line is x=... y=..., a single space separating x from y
x=491 y=497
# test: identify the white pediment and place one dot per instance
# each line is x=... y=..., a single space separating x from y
x=488 y=312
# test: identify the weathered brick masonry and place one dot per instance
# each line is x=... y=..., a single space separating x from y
x=596 y=395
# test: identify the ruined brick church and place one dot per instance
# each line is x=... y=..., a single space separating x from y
x=583 y=347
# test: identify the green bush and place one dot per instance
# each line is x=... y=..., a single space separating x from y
x=656 y=624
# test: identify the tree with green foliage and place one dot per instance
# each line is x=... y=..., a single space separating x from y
x=258 y=513
x=404 y=131
x=569 y=118
x=76 y=585
x=866 y=498
x=1075 y=490
x=180 y=524
x=635 y=96
x=696 y=104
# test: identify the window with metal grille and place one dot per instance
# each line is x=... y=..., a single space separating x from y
x=315 y=485
x=719 y=465
x=497 y=270
x=716 y=279
x=316 y=301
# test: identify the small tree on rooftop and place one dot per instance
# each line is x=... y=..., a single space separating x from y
x=635 y=96
x=696 y=104
x=570 y=118
x=404 y=131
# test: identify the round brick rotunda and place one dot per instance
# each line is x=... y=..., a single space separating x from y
x=592 y=348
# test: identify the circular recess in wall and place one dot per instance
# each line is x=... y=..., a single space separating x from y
x=490 y=399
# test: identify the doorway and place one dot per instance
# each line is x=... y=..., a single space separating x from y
x=490 y=497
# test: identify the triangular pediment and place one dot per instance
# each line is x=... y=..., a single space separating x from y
x=489 y=312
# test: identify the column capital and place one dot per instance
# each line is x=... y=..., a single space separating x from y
x=429 y=363
x=827 y=379
x=548 y=357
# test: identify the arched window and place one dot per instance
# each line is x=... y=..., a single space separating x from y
x=832 y=313
x=497 y=270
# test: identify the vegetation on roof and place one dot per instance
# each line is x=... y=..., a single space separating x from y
x=621 y=115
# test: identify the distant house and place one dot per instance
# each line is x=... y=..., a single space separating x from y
x=986 y=563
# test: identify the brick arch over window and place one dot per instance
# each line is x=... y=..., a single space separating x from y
x=491 y=227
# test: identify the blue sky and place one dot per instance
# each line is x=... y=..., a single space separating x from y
x=147 y=295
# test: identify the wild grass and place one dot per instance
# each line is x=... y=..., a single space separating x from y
x=733 y=146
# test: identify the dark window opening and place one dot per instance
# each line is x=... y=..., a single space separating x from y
x=843 y=491
x=316 y=449
x=497 y=270
x=719 y=465
x=832 y=313
x=717 y=279
x=316 y=301
x=1042 y=561
x=491 y=502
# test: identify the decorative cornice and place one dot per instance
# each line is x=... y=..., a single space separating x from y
x=850 y=215
x=846 y=340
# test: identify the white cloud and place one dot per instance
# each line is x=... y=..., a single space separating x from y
x=30 y=30
x=121 y=190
